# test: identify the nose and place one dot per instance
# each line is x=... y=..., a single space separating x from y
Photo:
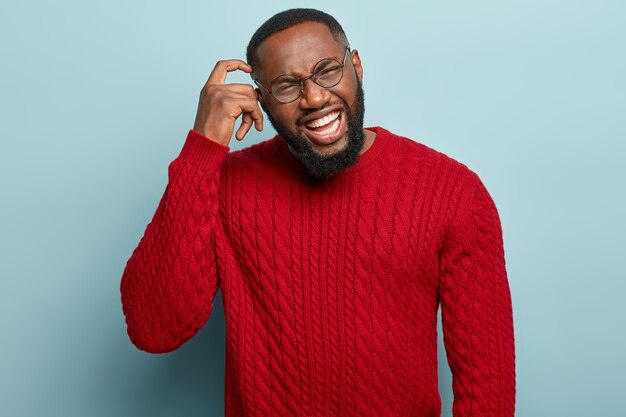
x=313 y=96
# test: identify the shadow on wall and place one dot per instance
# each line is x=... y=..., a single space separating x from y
x=445 y=376
x=186 y=382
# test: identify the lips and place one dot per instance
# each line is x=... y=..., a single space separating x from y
x=323 y=122
x=326 y=128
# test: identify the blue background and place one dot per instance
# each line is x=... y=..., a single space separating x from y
x=96 y=99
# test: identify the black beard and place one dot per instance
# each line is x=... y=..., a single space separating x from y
x=320 y=166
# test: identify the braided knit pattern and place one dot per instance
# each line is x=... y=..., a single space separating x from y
x=330 y=288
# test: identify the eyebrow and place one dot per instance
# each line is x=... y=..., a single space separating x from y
x=309 y=72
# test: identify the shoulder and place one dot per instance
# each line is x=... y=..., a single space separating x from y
x=420 y=159
x=449 y=183
x=457 y=188
x=253 y=157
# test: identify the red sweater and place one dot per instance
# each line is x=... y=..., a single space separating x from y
x=330 y=289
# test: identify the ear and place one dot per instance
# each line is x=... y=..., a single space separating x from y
x=261 y=98
x=356 y=62
x=262 y=101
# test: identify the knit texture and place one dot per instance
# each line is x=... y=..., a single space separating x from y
x=330 y=288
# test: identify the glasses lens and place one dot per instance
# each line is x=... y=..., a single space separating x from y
x=328 y=73
x=286 y=89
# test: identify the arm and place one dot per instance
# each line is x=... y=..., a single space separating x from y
x=171 y=279
x=476 y=310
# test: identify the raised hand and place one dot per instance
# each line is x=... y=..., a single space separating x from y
x=220 y=105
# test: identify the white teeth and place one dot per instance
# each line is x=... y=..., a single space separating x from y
x=324 y=120
x=333 y=127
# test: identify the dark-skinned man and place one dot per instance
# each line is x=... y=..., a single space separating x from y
x=333 y=246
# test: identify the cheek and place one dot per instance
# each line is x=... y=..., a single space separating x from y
x=350 y=86
x=284 y=116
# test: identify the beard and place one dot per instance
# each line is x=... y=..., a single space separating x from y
x=325 y=166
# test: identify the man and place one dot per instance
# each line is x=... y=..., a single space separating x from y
x=333 y=246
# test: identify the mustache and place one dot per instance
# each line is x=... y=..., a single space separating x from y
x=326 y=105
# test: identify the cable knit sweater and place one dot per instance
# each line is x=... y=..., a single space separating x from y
x=330 y=288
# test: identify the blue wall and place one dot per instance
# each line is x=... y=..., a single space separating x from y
x=96 y=99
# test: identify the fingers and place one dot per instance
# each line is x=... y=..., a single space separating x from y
x=251 y=114
x=246 y=124
x=221 y=104
x=245 y=89
x=222 y=68
x=258 y=123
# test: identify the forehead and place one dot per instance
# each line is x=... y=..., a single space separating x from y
x=296 y=50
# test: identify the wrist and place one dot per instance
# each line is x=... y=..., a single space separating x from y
x=211 y=136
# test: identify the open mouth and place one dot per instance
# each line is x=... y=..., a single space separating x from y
x=327 y=129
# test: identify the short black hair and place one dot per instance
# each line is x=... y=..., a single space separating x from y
x=287 y=19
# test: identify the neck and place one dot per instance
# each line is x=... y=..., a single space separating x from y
x=369 y=140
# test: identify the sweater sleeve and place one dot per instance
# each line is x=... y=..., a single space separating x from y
x=170 y=280
x=476 y=310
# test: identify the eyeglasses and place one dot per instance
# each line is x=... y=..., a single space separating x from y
x=327 y=73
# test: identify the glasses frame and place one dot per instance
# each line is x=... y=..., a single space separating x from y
x=310 y=77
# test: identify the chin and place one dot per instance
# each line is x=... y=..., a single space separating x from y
x=326 y=161
x=334 y=148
